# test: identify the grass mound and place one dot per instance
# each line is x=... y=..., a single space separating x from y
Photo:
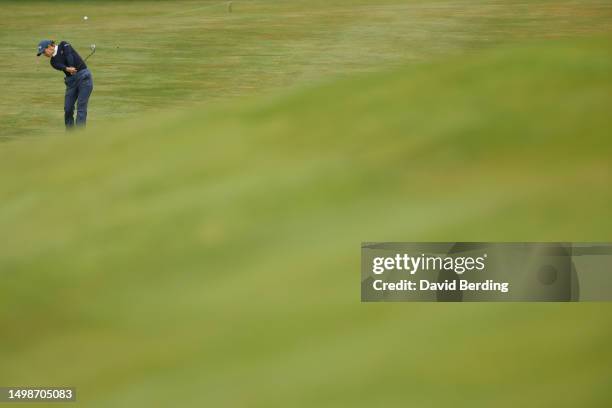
x=212 y=257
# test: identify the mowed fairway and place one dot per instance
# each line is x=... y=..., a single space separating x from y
x=203 y=251
x=164 y=54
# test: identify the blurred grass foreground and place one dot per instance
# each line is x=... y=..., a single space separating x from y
x=211 y=258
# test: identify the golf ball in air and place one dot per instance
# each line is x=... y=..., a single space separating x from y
x=85 y=18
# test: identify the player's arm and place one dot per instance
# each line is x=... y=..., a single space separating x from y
x=69 y=54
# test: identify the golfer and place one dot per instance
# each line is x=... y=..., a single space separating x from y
x=79 y=82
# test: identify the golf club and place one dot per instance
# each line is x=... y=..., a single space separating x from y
x=93 y=51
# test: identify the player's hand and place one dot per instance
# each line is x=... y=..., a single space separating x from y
x=71 y=70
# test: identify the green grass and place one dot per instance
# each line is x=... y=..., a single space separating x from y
x=211 y=257
x=208 y=254
x=164 y=54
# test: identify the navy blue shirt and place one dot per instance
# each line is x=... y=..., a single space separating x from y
x=67 y=57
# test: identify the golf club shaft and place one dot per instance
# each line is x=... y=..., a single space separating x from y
x=86 y=58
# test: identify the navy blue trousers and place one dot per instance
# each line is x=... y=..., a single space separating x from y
x=78 y=89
